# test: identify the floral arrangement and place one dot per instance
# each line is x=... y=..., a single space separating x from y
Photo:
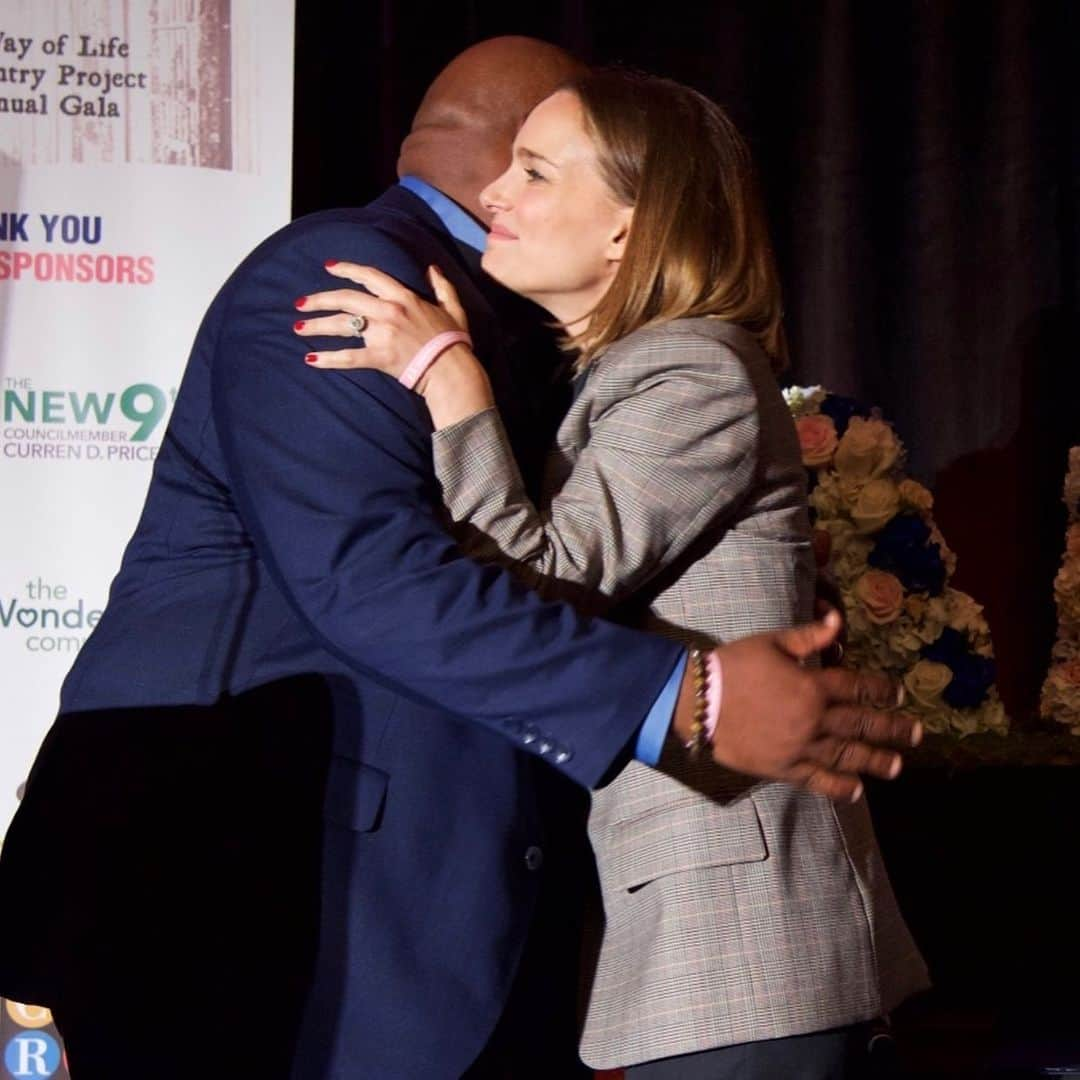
x=1061 y=692
x=874 y=535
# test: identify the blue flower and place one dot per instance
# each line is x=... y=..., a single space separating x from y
x=972 y=678
x=841 y=409
x=973 y=675
x=950 y=646
x=903 y=548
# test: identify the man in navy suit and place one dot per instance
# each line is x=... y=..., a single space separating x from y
x=294 y=767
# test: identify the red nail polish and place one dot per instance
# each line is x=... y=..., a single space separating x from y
x=299 y=325
x=301 y=302
x=311 y=358
x=330 y=262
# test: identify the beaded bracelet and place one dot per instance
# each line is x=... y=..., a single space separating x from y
x=708 y=679
x=714 y=695
x=699 y=673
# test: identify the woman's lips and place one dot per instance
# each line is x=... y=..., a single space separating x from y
x=500 y=232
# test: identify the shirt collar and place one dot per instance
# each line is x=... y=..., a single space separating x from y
x=459 y=224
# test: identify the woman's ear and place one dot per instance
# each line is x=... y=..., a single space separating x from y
x=617 y=241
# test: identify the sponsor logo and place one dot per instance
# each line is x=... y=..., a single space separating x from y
x=28 y=1016
x=53 y=620
x=77 y=425
x=32 y=1054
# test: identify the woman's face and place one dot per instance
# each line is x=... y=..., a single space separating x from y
x=557 y=233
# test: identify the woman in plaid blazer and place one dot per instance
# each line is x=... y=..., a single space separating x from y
x=750 y=927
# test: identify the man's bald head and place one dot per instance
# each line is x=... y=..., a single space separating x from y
x=462 y=133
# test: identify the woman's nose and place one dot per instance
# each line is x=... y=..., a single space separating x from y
x=493 y=197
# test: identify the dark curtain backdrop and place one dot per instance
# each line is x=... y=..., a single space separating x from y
x=921 y=163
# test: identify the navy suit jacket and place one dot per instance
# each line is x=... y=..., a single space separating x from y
x=293 y=526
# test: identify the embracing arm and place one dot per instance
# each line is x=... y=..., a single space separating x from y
x=332 y=477
x=671 y=446
x=672 y=442
x=822 y=729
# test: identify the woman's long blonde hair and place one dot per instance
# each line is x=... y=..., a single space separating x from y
x=699 y=241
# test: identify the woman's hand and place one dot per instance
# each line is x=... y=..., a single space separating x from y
x=394 y=322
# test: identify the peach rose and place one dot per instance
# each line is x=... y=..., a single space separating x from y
x=1070 y=671
x=817 y=438
x=926 y=681
x=867 y=450
x=875 y=506
x=1072 y=541
x=1067 y=587
x=881 y=595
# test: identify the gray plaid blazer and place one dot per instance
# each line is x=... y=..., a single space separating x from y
x=675 y=500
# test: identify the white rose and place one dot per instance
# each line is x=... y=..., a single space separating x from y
x=868 y=449
x=841 y=531
x=948 y=556
x=935 y=721
x=926 y=681
x=802 y=400
x=964 y=722
x=915 y=606
x=849 y=554
x=963 y=613
x=876 y=505
x=903 y=642
x=827 y=498
x=934 y=619
x=915 y=496
x=994 y=718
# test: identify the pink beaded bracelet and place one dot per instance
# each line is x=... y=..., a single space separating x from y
x=429 y=353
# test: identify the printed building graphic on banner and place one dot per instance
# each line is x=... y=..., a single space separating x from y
x=145 y=148
x=31 y=1045
x=135 y=81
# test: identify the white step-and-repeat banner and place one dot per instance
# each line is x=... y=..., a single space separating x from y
x=145 y=147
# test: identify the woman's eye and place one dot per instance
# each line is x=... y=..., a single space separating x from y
x=534 y=174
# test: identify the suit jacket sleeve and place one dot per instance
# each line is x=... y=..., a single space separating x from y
x=671 y=447
x=331 y=473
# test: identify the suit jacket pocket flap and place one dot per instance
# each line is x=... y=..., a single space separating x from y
x=354 y=794
x=685 y=837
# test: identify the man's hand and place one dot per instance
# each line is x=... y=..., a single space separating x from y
x=827 y=598
x=816 y=729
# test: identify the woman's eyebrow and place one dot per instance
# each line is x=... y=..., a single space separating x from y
x=532 y=155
